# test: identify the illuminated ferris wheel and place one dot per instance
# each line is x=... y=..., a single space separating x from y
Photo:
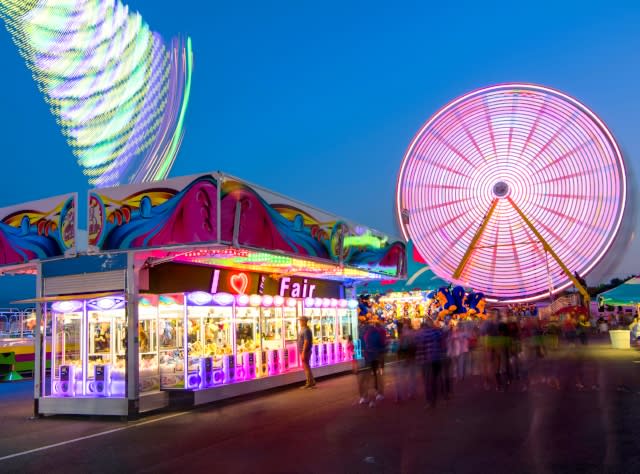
x=511 y=189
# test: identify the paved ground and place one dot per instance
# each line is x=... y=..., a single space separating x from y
x=544 y=429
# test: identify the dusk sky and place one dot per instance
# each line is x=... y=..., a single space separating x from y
x=319 y=100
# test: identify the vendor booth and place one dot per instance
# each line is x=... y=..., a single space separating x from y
x=190 y=292
x=626 y=294
x=404 y=298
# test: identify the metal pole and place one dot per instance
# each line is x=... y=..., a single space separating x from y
x=546 y=259
x=40 y=354
x=132 y=350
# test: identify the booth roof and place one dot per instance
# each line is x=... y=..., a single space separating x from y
x=628 y=293
x=258 y=261
x=77 y=296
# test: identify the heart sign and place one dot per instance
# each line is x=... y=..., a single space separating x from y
x=239 y=283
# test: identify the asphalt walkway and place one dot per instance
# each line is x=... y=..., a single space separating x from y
x=554 y=426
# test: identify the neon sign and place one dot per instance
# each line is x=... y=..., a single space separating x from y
x=295 y=289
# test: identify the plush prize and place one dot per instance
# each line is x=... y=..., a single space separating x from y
x=477 y=303
x=445 y=301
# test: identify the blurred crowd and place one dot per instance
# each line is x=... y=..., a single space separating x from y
x=433 y=356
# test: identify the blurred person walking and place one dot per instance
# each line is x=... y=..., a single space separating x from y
x=374 y=349
x=405 y=380
x=429 y=354
x=305 y=345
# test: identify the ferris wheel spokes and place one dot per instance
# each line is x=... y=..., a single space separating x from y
x=474 y=241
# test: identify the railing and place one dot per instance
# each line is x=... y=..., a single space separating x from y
x=16 y=323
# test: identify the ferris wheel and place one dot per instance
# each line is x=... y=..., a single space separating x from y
x=510 y=189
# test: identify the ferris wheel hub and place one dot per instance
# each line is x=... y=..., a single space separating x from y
x=501 y=189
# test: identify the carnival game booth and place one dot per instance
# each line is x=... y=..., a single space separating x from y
x=404 y=298
x=190 y=293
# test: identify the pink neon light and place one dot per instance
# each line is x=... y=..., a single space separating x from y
x=267 y=300
x=291 y=302
x=278 y=300
x=309 y=302
x=255 y=300
x=561 y=165
x=242 y=300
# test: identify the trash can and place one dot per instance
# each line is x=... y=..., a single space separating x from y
x=620 y=338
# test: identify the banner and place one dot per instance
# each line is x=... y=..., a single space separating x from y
x=174 y=211
x=38 y=230
x=255 y=217
x=216 y=208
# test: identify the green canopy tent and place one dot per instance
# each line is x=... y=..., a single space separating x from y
x=420 y=277
x=627 y=294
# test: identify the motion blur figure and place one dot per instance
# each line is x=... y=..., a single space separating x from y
x=405 y=379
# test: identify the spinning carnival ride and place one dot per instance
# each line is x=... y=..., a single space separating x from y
x=118 y=91
x=510 y=189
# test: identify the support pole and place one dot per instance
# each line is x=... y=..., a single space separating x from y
x=474 y=241
x=548 y=248
x=132 y=351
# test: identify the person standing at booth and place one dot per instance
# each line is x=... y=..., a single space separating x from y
x=305 y=345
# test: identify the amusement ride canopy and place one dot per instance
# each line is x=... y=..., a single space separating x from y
x=512 y=188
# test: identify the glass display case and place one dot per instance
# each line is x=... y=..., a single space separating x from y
x=172 y=340
x=248 y=340
x=291 y=332
x=272 y=356
x=149 y=372
x=107 y=341
x=88 y=348
x=209 y=338
x=67 y=345
x=328 y=346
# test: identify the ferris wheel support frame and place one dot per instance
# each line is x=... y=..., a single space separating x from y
x=548 y=248
x=541 y=239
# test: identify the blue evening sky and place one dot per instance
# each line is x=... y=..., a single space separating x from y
x=318 y=100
